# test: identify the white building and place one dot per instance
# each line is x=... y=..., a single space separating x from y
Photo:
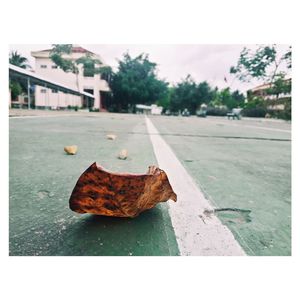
x=275 y=101
x=82 y=82
x=152 y=109
x=30 y=79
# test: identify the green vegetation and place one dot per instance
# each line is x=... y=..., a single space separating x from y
x=265 y=64
x=189 y=94
x=18 y=60
x=136 y=82
x=91 y=66
x=17 y=87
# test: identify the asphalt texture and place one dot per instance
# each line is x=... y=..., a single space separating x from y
x=42 y=177
x=244 y=169
x=242 y=166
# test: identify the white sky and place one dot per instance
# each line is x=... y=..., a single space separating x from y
x=203 y=62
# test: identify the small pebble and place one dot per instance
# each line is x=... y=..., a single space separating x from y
x=111 y=136
x=123 y=154
x=71 y=150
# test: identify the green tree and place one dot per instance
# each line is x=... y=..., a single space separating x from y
x=136 y=82
x=165 y=99
x=184 y=96
x=216 y=101
x=18 y=60
x=265 y=64
x=188 y=94
x=239 y=98
x=204 y=93
x=61 y=55
x=280 y=86
x=255 y=64
x=17 y=87
x=227 y=99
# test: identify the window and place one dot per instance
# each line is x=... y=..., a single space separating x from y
x=43 y=91
x=43 y=66
x=54 y=67
x=54 y=91
x=89 y=90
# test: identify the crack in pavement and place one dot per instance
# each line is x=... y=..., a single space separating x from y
x=203 y=136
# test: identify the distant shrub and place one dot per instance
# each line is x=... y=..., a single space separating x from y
x=257 y=112
x=215 y=111
x=94 y=109
x=281 y=114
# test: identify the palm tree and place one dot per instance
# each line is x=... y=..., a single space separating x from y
x=17 y=87
x=18 y=60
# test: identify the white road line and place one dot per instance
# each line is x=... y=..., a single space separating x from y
x=265 y=128
x=41 y=116
x=258 y=127
x=196 y=233
x=250 y=126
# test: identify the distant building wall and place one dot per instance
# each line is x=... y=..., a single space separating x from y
x=50 y=98
x=45 y=66
x=274 y=101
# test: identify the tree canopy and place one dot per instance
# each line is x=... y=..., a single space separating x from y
x=91 y=65
x=18 y=60
x=269 y=66
x=136 y=82
x=17 y=86
x=190 y=95
x=263 y=64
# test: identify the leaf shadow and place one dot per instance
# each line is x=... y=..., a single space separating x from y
x=111 y=236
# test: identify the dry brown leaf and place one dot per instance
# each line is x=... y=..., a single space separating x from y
x=101 y=192
x=71 y=149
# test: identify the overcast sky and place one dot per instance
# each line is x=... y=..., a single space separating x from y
x=202 y=62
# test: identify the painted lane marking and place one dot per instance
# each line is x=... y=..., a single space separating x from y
x=250 y=126
x=41 y=116
x=259 y=127
x=196 y=233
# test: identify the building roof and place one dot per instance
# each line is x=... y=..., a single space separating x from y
x=75 y=49
x=261 y=87
x=15 y=71
x=265 y=86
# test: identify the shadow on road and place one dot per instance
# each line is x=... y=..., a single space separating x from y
x=110 y=236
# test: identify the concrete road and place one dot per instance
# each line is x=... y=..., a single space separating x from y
x=42 y=177
x=243 y=168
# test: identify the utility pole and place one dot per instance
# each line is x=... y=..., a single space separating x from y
x=28 y=91
x=46 y=96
